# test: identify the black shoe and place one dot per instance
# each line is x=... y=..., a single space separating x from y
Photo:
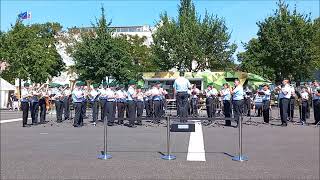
x=236 y=126
x=284 y=124
x=227 y=125
x=132 y=126
x=25 y=125
x=59 y=121
x=34 y=124
x=139 y=123
x=75 y=125
x=110 y=124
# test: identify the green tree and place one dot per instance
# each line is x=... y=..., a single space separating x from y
x=98 y=54
x=192 y=43
x=31 y=52
x=283 y=47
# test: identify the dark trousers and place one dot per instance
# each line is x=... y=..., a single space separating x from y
x=110 y=111
x=95 y=110
x=25 y=112
x=210 y=107
x=140 y=107
x=182 y=98
x=157 y=109
x=227 y=111
x=316 y=109
x=148 y=104
x=102 y=107
x=34 y=108
x=194 y=106
x=291 y=108
x=303 y=109
x=84 y=109
x=59 y=110
x=66 y=107
x=259 y=111
x=43 y=111
x=237 y=109
x=177 y=106
x=247 y=106
x=308 y=111
x=78 y=114
x=131 y=111
x=265 y=111
x=83 y=112
x=121 y=106
x=284 y=104
x=161 y=108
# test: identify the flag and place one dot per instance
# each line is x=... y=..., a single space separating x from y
x=25 y=15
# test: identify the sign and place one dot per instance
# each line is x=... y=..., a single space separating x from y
x=182 y=127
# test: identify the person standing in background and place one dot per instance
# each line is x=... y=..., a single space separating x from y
x=237 y=100
x=226 y=95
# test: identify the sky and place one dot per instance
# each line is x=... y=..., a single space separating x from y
x=240 y=16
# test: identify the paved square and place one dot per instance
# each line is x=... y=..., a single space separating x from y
x=59 y=151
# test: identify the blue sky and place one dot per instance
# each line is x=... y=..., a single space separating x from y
x=240 y=15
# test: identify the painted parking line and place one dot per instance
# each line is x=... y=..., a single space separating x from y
x=196 y=150
x=11 y=120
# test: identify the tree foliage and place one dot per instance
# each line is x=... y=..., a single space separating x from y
x=191 y=42
x=99 y=53
x=285 y=46
x=31 y=52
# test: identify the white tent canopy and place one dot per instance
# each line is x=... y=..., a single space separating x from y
x=5 y=87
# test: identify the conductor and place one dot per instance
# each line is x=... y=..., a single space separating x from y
x=180 y=89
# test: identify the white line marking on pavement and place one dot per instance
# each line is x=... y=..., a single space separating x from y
x=196 y=146
x=11 y=120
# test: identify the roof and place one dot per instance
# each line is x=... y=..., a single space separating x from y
x=6 y=86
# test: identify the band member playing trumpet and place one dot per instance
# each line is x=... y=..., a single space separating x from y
x=194 y=93
x=211 y=93
x=226 y=94
x=58 y=100
x=110 y=108
x=94 y=95
x=43 y=108
x=284 y=96
x=77 y=96
x=304 y=104
x=131 y=95
x=266 y=94
x=25 y=98
x=34 y=107
x=66 y=101
x=121 y=96
x=237 y=100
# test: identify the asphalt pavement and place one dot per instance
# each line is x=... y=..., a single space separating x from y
x=60 y=151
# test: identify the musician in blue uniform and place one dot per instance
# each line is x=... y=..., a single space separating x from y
x=25 y=98
x=131 y=95
x=266 y=94
x=226 y=97
x=34 y=107
x=110 y=108
x=121 y=96
x=77 y=98
x=237 y=100
x=94 y=95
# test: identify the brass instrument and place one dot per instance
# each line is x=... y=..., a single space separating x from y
x=88 y=90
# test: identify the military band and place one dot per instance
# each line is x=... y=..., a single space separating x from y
x=115 y=101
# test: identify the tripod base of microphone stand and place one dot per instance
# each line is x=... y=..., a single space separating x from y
x=240 y=158
x=168 y=157
x=104 y=156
